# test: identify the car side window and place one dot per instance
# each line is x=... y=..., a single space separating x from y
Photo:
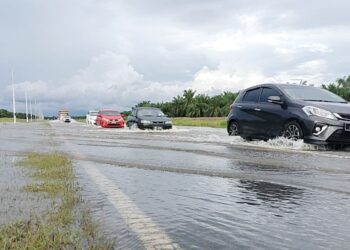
x=133 y=113
x=252 y=95
x=266 y=92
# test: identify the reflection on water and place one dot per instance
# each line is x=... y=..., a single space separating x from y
x=271 y=193
x=201 y=212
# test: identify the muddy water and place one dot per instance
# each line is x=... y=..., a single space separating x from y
x=197 y=188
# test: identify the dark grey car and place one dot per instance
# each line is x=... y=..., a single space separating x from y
x=148 y=118
x=296 y=112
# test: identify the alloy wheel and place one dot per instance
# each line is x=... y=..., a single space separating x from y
x=292 y=132
x=233 y=129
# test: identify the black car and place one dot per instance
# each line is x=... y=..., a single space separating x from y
x=294 y=111
x=148 y=118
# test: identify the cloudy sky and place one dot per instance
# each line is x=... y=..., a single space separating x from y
x=85 y=54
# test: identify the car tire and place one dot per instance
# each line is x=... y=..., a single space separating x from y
x=293 y=131
x=233 y=128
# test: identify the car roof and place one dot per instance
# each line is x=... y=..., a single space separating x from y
x=278 y=85
x=147 y=108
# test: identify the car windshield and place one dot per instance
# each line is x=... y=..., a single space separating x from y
x=308 y=93
x=94 y=113
x=150 y=112
x=110 y=113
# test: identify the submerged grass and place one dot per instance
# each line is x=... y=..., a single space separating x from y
x=213 y=122
x=67 y=224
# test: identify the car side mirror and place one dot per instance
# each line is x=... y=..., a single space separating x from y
x=275 y=99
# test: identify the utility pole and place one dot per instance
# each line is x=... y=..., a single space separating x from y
x=35 y=109
x=26 y=106
x=13 y=100
x=30 y=110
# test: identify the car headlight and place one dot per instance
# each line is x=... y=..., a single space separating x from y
x=168 y=122
x=145 y=122
x=310 y=110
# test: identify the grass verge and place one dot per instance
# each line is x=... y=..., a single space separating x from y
x=83 y=120
x=6 y=119
x=213 y=122
x=67 y=224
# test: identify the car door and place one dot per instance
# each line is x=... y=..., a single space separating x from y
x=271 y=116
x=247 y=111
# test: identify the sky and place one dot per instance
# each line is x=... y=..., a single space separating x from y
x=93 y=54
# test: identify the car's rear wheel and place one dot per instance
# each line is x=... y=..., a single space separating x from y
x=233 y=128
x=292 y=130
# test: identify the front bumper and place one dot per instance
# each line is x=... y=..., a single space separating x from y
x=153 y=126
x=110 y=124
x=334 y=132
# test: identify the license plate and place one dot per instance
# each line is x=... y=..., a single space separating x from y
x=113 y=122
x=347 y=126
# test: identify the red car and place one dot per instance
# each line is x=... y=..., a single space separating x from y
x=110 y=119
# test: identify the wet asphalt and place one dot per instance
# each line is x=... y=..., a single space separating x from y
x=197 y=188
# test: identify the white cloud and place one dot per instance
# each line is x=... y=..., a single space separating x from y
x=108 y=81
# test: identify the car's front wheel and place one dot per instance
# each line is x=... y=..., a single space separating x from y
x=233 y=128
x=292 y=130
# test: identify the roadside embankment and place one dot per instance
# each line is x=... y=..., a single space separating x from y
x=213 y=122
x=65 y=222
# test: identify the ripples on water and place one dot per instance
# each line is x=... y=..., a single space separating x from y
x=202 y=212
x=204 y=134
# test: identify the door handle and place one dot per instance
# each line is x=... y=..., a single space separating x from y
x=257 y=109
x=239 y=106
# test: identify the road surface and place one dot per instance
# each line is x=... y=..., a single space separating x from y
x=197 y=188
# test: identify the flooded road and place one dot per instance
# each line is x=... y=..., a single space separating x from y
x=197 y=188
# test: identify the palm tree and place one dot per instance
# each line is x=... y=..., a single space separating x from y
x=199 y=106
x=215 y=106
x=188 y=95
x=178 y=104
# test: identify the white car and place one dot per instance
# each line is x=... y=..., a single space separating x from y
x=91 y=117
x=67 y=119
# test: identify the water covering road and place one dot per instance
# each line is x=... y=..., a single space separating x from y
x=197 y=188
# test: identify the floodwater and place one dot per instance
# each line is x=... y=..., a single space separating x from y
x=197 y=188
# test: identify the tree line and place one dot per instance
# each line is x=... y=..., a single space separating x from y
x=191 y=104
x=8 y=114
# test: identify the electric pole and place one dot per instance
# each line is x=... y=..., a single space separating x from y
x=26 y=106
x=13 y=100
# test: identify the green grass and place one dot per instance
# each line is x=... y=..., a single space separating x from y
x=213 y=122
x=81 y=120
x=67 y=224
x=6 y=119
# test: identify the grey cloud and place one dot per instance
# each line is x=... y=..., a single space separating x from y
x=169 y=45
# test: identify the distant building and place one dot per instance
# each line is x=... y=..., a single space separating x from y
x=62 y=113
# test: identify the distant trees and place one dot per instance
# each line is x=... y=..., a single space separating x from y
x=5 y=113
x=341 y=87
x=191 y=104
x=8 y=114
